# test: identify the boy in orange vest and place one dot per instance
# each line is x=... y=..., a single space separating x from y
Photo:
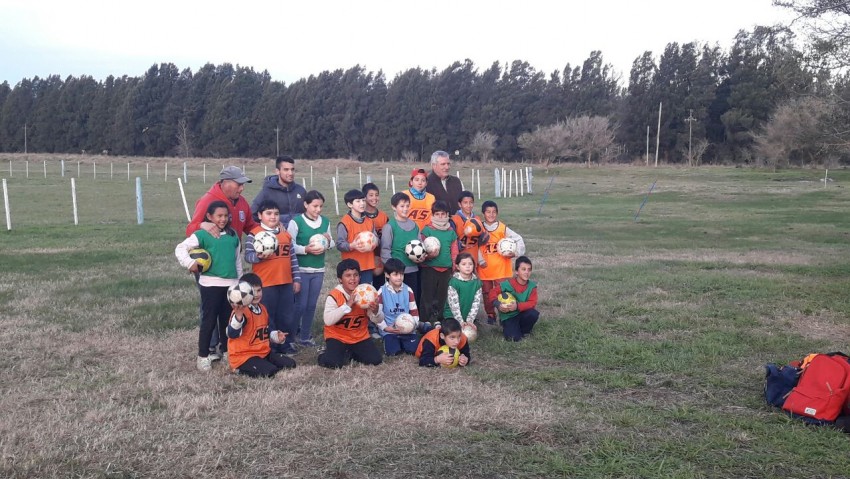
x=279 y=272
x=248 y=337
x=493 y=267
x=346 y=331
x=352 y=224
x=448 y=334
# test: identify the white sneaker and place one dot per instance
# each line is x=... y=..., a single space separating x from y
x=214 y=356
x=204 y=364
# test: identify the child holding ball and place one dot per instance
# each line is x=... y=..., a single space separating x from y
x=493 y=266
x=518 y=318
x=464 y=296
x=394 y=299
x=249 y=337
x=224 y=270
x=448 y=334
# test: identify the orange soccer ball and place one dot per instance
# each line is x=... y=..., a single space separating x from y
x=365 y=295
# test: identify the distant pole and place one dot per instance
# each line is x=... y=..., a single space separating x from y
x=311 y=176
x=266 y=171
x=27 y=163
x=25 y=138
x=166 y=172
x=825 y=177
x=658 y=135
x=147 y=171
x=521 y=191
x=277 y=140
x=360 y=172
x=183 y=196
x=78 y=169
x=497 y=176
x=62 y=166
x=140 y=211
x=205 y=173
x=74 y=198
x=111 y=170
x=690 y=119
x=10 y=168
x=45 y=168
x=128 y=171
x=185 y=173
x=393 y=184
x=647 y=145
x=479 y=183
x=336 y=197
x=6 y=203
x=387 y=180
x=94 y=170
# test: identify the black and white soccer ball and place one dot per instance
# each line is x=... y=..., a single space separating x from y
x=415 y=250
x=241 y=293
x=265 y=242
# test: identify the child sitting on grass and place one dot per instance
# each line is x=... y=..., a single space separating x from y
x=518 y=318
x=248 y=336
x=394 y=299
x=225 y=268
x=346 y=330
x=448 y=334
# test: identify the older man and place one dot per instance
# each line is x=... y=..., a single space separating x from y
x=441 y=184
x=282 y=189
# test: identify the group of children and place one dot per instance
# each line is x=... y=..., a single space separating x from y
x=442 y=292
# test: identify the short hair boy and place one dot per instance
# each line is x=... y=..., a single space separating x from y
x=248 y=337
x=347 y=231
x=518 y=318
x=394 y=299
x=346 y=331
x=448 y=334
x=493 y=267
x=399 y=231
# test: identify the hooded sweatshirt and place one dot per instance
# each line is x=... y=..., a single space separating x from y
x=289 y=199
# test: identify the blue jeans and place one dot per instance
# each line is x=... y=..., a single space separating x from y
x=366 y=276
x=396 y=343
x=306 y=301
x=279 y=300
x=521 y=324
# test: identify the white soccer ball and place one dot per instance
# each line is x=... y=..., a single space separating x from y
x=432 y=245
x=241 y=293
x=415 y=250
x=321 y=240
x=365 y=295
x=470 y=331
x=506 y=247
x=368 y=240
x=265 y=242
x=405 y=323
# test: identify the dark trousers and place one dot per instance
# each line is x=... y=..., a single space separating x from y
x=257 y=367
x=337 y=354
x=215 y=311
x=279 y=300
x=412 y=280
x=398 y=343
x=435 y=289
x=521 y=324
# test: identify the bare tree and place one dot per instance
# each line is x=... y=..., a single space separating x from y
x=799 y=130
x=591 y=136
x=483 y=143
x=827 y=24
x=548 y=143
x=184 y=148
x=409 y=156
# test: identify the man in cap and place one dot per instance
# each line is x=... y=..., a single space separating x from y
x=441 y=184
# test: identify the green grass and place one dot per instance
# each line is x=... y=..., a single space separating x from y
x=647 y=361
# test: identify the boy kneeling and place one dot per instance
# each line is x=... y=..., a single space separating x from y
x=248 y=337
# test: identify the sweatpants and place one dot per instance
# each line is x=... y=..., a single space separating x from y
x=521 y=324
x=338 y=354
x=257 y=367
x=279 y=301
x=435 y=290
x=215 y=312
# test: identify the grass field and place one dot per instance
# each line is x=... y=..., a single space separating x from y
x=647 y=361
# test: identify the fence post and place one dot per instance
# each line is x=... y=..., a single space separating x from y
x=74 y=198
x=140 y=213
x=6 y=203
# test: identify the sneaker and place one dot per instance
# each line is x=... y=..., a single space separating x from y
x=204 y=364
x=214 y=356
x=375 y=335
x=437 y=325
x=307 y=343
x=288 y=350
x=491 y=320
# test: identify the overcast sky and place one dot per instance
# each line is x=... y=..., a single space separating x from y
x=296 y=39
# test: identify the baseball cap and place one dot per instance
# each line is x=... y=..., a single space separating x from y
x=418 y=171
x=233 y=173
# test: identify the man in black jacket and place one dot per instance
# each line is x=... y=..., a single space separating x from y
x=441 y=184
x=283 y=190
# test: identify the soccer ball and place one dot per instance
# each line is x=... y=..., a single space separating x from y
x=265 y=242
x=473 y=228
x=368 y=239
x=470 y=331
x=405 y=323
x=415 y=250
x=241 y=293
x=506 y=298
x=452 y=351
x=202 y=257
x=319 y=239
x=365 y=295
x=432 y=245
x=506 y=247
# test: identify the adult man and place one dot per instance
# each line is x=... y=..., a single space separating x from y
x=441 y=184
x=282 y=189
x=231 y=183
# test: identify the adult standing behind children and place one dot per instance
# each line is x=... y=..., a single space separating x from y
x=283 y=190
x=441 y=184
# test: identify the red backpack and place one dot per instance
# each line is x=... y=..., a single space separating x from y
x=823 y=389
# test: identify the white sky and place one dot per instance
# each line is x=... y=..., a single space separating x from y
x=296 y=39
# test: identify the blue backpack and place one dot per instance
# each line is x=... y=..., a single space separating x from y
x=778 y=383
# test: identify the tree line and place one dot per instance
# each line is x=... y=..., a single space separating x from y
x=732 y=105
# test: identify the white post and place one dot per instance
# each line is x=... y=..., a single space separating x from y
x=519 y=183
x=94 y=170
x=140 y=212
x=387 y=181
x=510 y=182
x=337 y=176
x=185 y=173
x=497 y=175
x=461 y=183
x=516 y=187
x=10 y=168
x=6 y=203
x=311 y=176
x=825 y=176
x=27 y=163
x=78 y=169
x=166 y=172
x=336 y=197
x=128 y=171
x=304 y=182
x=359 y=172
x=62 y=165
x=528 y=180
x=393 y=184
x=479 y=183
x=147 y=171
x=473 y=181
x=658 y=134
x=183 y=196
x=504 y=182
x=45 y=168
x=74 y=198
x=265 y=171
x=205 y=173
x=368 y=179
x=111 y=171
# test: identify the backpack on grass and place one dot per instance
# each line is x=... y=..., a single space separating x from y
x=822 y=391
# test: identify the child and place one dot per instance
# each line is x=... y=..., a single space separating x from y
x=437 y=269
x=311 y=262
x=224 y=270
x=468 y=242
x=448 y=334
x=279 y=272
x=495 y=268
x=347 y=230
x=394 y=299
x=248 y=337
x=420 y=200
x=346 y=333
x=464 y=295
x=399 y=231
x=379 y=219
x=518 y=318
